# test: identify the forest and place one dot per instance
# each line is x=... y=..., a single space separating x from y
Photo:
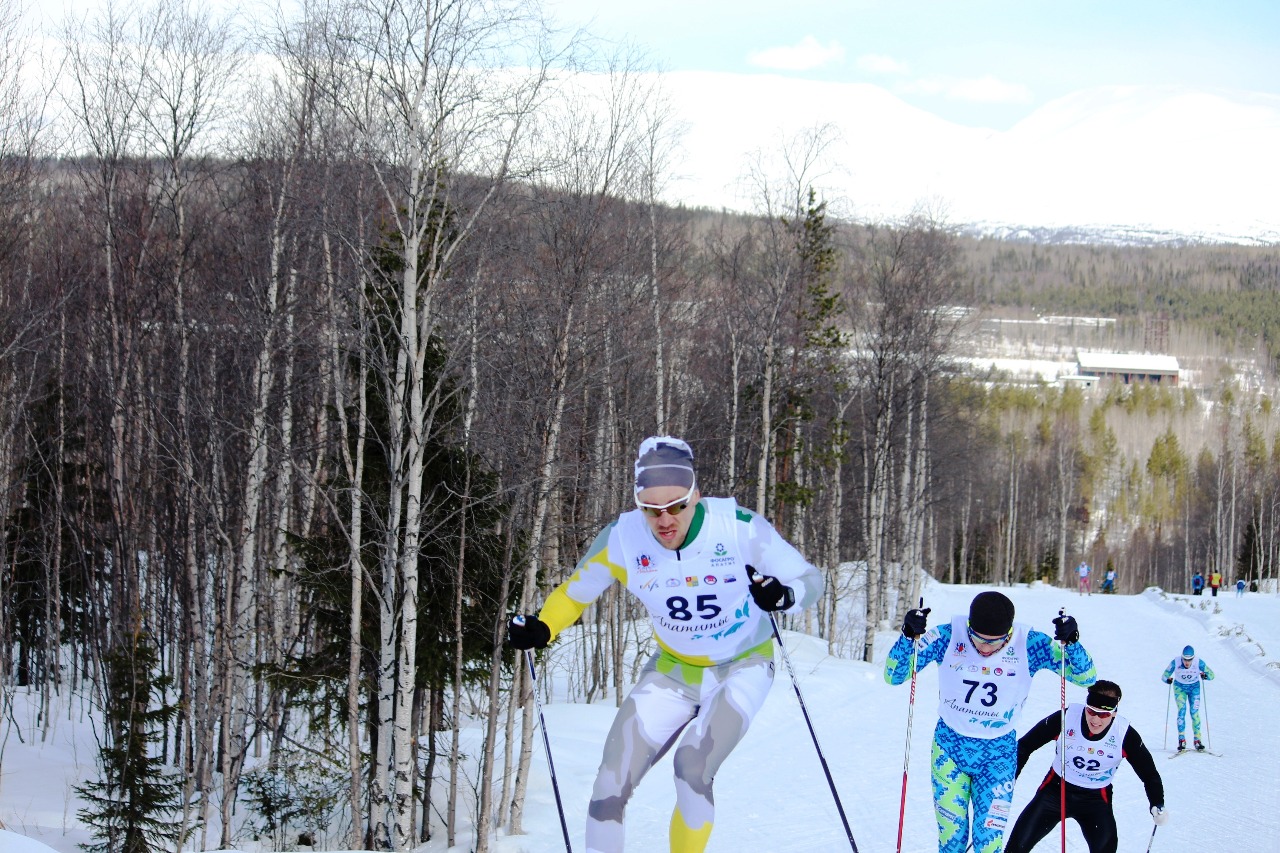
x=314 y=369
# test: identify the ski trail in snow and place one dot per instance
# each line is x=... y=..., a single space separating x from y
x=771 y=794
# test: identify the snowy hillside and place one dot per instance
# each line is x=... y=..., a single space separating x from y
x=772 y=795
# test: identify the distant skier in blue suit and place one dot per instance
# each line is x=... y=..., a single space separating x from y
x=1185 y=675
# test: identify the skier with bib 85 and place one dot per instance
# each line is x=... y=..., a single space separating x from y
x=1185 y=675
x=1096 y=741
x=690 y=561
x=985 y=666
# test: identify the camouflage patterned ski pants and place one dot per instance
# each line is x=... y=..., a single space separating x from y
x=703 y=712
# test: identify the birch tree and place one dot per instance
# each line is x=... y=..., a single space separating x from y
x=906 y=279
x=24 y=321
x=424 y=91
x=589 y=258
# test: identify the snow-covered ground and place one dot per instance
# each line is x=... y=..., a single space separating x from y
x=771 y=795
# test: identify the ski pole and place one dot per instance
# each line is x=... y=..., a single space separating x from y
x=804 y=710
x=1204 y=700
x=906 y=753
x=1153 y=837
x=546 y=744
x=1167 y=701
x=1062 y=782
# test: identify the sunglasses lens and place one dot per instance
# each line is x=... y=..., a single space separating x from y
x=655 y=511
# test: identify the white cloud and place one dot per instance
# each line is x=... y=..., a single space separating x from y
x=875 y=63
x=987 y=90
x=809 y=53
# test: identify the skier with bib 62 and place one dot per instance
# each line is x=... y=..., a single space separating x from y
x=1096 y=741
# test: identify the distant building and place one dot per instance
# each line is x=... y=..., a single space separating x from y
x=1128 y=367
x=1077 y=381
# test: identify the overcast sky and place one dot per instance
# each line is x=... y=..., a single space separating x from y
x=981 y=63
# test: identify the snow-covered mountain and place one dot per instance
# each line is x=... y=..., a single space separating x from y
x=1113 y=164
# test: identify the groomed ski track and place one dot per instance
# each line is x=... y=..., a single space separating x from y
x=771 y=793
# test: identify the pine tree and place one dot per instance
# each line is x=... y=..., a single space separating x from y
x=132 y=806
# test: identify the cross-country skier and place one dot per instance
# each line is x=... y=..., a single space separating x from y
x=985 y=665
x=689 y=560
x=1185 y=675
x=1097 y=739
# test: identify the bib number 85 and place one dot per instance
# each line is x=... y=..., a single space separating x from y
x=678 y=608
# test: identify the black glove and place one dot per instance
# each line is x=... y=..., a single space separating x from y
x=915 y=623
x=1065 y=630
x=528 y=632
x=1168 y=681
x=769 y=593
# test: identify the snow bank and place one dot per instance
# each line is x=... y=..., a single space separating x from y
x=1223 y=617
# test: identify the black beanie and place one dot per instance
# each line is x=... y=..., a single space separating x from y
x=1104 y=695
x=991 y=613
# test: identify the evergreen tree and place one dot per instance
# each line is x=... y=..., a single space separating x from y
x=132 y=806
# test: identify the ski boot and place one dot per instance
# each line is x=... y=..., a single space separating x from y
x=1182 y=744
x=1199 y=745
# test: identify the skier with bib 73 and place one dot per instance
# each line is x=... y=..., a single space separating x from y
x=985 y=665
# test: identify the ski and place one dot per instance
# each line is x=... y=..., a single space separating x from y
x=1198 y=751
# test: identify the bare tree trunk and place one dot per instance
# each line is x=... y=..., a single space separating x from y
x=766 y=429
x=1011 y=531
x=541 y=512
x=468 y=419
x=352 y=454
x=735 y=404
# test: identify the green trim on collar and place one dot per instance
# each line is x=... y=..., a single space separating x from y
x=695 y=526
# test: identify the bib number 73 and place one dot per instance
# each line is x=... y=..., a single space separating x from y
x=987 y=698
